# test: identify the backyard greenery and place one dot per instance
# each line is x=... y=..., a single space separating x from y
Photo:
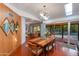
x=58 y=29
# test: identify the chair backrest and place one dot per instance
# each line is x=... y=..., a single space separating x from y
x=53 y=36
x=35 y=49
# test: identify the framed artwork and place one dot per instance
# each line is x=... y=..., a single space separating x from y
x=12 y=26
x=6 y=26
x=0 y=17
x=16 y=27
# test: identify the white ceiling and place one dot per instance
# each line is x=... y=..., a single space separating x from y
x=54 y=10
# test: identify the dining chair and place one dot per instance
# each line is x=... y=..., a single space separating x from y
x=36 y=50
x=52 y=44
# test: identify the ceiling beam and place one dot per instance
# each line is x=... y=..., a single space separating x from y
x=63 y=20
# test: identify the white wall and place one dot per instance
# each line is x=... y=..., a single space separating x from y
x=23 y=30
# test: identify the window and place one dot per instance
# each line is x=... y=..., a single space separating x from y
x=36 y=28
x=74 y=29
x=68 y=9
x=65 y=29
x=55 y=28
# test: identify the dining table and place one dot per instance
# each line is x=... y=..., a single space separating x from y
x=42 y=42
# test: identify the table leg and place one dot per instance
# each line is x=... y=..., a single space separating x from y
x=45 y=51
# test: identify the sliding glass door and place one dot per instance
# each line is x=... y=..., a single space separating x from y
x=74 y=31
x=62 y=30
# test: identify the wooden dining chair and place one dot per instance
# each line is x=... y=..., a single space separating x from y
x=36 y=50
x=52 y=44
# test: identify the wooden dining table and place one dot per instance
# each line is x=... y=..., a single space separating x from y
x=35 y=40
x=42 y=42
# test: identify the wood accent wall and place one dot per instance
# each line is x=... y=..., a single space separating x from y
x=13 y=40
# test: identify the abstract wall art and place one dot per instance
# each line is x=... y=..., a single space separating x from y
x=12 y=26
x=16 y=27
x=6 y=26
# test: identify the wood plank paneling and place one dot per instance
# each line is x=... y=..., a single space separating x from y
x=12 y=40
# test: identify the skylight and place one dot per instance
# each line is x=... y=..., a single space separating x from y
x=68 y=9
